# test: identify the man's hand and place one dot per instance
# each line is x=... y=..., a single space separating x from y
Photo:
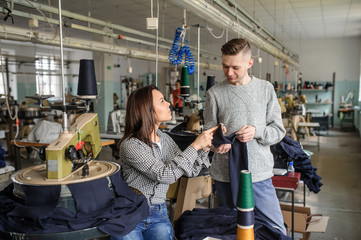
x=246 y=134
x=224 y=148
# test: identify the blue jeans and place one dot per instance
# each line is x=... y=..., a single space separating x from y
x=266 y=202
x=156 y=226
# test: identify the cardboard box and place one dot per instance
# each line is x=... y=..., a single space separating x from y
x=302 y=224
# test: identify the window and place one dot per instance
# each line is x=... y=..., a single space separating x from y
x=48 y=77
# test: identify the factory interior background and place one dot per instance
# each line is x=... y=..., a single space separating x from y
x=305 y=48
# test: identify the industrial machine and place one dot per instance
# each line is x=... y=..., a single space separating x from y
x=70 y=158
x=72 y=195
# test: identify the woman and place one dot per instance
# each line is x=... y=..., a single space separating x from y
x=151 y=160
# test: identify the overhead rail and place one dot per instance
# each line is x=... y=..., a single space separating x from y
x=22 y=34
x=213 y=15
x=252 y=23
x=91 y=20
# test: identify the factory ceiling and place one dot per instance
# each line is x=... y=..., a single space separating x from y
x=279 y=23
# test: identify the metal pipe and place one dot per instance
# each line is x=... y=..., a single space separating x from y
x=198 y=57
x=22 y=34
x=207 y=11
x=256 y=22
x=65 y=117
x=87 y=19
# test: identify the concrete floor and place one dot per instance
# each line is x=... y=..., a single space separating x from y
x=339 y=164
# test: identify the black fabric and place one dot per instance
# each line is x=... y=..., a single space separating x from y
x=290 y=150
x=238 y=158
x=182 y=139
x=115 y=211
x=219 y=223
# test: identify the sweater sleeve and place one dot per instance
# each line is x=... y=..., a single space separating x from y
x=188 y=168
x=273 y=132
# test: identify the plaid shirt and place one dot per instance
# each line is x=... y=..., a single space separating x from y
x=151 y=169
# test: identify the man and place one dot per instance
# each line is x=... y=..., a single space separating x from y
x=248 y=107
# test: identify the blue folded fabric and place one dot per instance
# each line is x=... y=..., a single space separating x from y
x=238 y=158
x=114 y=211
x=220 y=223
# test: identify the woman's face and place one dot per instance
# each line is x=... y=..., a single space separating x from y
x=161 y=108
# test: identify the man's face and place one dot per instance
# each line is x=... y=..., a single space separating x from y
x=235 y=67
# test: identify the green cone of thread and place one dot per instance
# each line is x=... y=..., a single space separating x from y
x=184 y=77
x=185 y=89
x=245 y=197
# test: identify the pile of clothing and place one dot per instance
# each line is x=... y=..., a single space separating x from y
x=220 y=223
x=291 y=150
x=115 y=209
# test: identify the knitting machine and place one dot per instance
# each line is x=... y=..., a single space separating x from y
x=69 y=159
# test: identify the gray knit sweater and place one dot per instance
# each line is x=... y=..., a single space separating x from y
x=253 y=104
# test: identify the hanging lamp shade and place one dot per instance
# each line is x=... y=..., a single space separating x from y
x=87 y=84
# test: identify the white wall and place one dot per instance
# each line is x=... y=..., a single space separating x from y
x=320 y=58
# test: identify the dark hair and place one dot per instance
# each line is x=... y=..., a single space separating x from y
x=139 y=117
x=235 y=46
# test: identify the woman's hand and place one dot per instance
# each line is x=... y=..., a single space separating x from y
x=223 y=148
x=204 y=140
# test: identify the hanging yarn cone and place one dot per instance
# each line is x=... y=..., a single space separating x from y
x=245 y=207
x=185 y=89
x=210 y=81
x=87 y=84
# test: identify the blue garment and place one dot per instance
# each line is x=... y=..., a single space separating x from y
x=114 y=212
x=156 y=226
x=288 y=150
x=266 y=202
x=238 y=158
x=220 y=223
x=224 y=194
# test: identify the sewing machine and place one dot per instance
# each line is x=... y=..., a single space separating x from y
x=82 y=135
x=69 y=159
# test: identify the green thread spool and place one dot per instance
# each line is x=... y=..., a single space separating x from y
x=245 y=198
x=185 y=89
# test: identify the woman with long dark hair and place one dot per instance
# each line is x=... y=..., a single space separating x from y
x=151 y=160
